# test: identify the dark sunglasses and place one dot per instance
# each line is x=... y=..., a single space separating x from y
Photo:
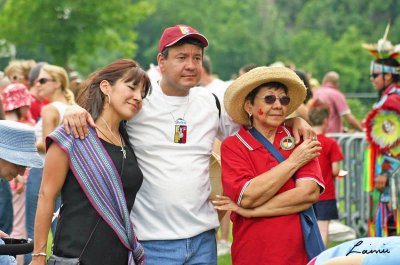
x=374 y=75
x=16 y=78
x=43 y=80
x=270 y=99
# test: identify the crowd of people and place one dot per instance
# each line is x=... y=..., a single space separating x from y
x=117 y=166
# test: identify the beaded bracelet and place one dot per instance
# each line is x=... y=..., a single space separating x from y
x=39 y=254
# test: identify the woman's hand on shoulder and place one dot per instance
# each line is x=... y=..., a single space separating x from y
x=76 y=119
x=305 y=152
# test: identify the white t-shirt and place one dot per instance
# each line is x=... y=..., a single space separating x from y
x=173 y=200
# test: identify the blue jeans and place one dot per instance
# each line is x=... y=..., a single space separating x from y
x=32 y=195
x=199 y=250
x=6 y=207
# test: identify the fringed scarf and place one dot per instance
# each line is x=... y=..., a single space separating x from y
x=99 y=179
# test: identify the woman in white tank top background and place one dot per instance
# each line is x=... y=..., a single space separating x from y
x=53 y=85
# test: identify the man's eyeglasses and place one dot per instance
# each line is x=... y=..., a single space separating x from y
x=44 y=80
x=270 y=99
x=374 y=75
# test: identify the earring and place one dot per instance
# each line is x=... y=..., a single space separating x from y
x=250 y=119
x=109 y=98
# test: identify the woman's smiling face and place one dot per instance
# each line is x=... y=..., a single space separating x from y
x=269 y=107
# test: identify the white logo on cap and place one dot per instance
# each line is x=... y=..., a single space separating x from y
x=184 y=29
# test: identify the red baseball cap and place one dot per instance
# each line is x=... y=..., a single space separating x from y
x=174 y=34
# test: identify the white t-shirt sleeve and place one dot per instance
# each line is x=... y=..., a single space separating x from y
x=227 y=126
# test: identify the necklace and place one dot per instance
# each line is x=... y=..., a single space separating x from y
x=123 y=160
x=288 y=142
x=180 y=131
x=115 y=137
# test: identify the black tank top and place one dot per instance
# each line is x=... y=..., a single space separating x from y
x=78 y=217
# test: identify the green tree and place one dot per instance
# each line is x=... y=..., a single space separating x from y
x=72 y=32
x=315 y=35
x=311 y=51
x=351 y=62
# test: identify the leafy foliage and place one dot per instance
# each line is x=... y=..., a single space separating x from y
x=360 y=108
x=71 y=32
x=315 y=35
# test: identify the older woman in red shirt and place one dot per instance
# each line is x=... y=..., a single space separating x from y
x=268 y=195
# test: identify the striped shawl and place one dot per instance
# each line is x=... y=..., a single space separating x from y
x=99 y=179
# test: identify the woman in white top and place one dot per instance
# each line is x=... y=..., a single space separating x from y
x=52 y=85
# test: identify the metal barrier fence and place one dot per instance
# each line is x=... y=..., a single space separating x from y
x=352 y=199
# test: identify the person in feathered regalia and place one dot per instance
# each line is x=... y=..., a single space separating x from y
x=382 y=156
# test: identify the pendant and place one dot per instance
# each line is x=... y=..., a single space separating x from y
x=180 y=131
x=288 y=143
x=123 y=152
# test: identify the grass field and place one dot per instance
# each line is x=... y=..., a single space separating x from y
x=224 y=260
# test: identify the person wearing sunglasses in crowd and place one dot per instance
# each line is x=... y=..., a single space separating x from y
x=382 y=129
x=17 y=71
x=266 y=196
x=98 y=177
x=36 y=101
x=53 y=85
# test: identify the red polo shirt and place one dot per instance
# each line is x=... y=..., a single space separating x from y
x=273 y=240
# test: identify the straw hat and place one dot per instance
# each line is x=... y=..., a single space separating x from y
x=236 y=93
x=215 y=176
x=17 y=144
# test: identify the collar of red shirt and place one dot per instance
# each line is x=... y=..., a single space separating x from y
x=250 y=142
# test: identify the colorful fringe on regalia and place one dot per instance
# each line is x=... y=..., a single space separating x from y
x=380 y=209
x=382 y=154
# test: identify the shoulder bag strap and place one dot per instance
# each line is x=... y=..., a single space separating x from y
x=87 y=242
x=218 y=104
x=270 y=147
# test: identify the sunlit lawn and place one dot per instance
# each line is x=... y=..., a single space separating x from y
x=224 y=260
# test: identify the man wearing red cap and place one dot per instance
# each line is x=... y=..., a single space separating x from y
x=173 y=137
x=172 y=210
